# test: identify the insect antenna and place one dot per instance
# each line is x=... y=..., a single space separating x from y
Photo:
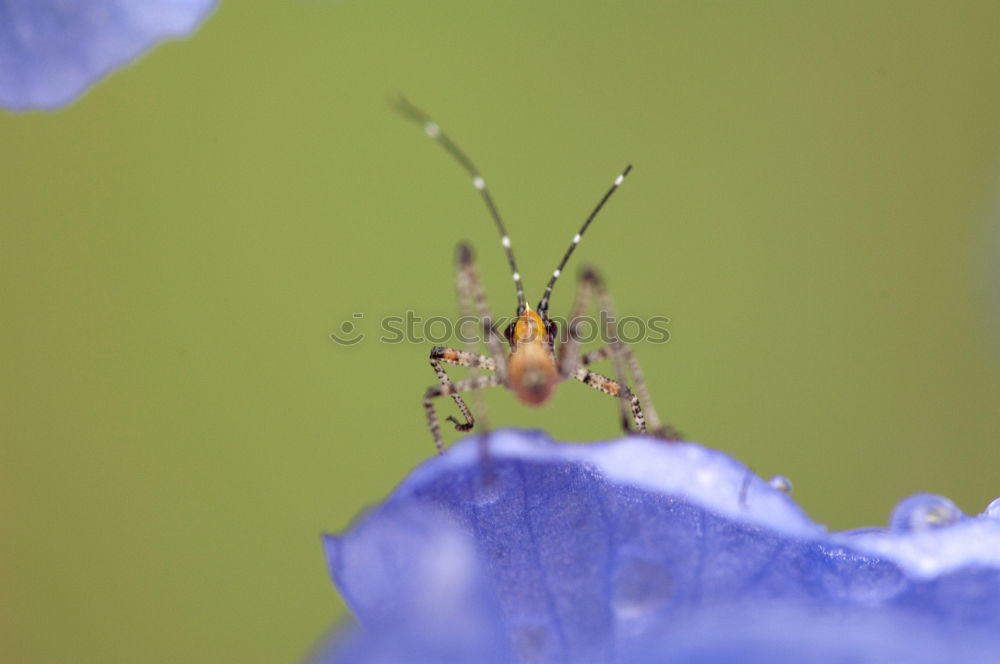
x=543 y=305
x=433 y=130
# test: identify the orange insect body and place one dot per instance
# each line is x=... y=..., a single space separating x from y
x=532 y=369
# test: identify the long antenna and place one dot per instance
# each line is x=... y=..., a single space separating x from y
x=433 y=130
x=543 y=305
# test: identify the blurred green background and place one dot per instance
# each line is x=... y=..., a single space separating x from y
x=813 y=197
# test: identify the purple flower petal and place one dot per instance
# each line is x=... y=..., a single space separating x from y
x=52 y=50
x=642 y=551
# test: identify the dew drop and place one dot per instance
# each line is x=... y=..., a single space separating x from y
x=485 y=486
x=924 y=511
x=484 y=491
x=782 y=484
x=993 y=510
x=866 y=582
x=531 y=642
x=638 y=587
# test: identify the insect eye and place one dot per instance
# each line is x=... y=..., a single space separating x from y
x=509 y=332
x=553 y=331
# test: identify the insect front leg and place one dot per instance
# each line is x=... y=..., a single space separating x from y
x=572 y=365
x=618 y=390
x=459 y=358
x=453 y=390
x=662 y=430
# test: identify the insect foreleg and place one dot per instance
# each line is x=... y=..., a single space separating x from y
x=592 y=285
x=453 y=390
x=618 y=390
x=459 y=358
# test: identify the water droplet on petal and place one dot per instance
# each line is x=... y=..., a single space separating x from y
x=531 y=642
x=638 y=587
x=869 y=583
x=924 y=511
x=993 y=510
x=486 y=492
x=864 y=532
x=485 y=487
x=782 y=484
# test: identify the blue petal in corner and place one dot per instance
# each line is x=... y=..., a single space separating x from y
x=646 y=552
x=53 y=50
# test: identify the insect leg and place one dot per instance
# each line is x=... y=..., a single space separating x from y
x=662 y=430
x=452 y=389
x=568 y=360
x=459 y=358
x=472 y=301
x=569 y=363
x=616 y=389
x=596 y=355
x=620 y=353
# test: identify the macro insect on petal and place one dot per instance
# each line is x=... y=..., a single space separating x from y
x=534 y=366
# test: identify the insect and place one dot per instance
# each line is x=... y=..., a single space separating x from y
x=534 y=366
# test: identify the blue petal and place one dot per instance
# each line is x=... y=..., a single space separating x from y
x=642 y=551
x=52 y=50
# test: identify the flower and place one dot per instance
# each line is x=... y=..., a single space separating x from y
x=52 y=50
x=514 y=548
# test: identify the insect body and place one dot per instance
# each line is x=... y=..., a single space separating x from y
x=534 y=366
x=532 y=371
